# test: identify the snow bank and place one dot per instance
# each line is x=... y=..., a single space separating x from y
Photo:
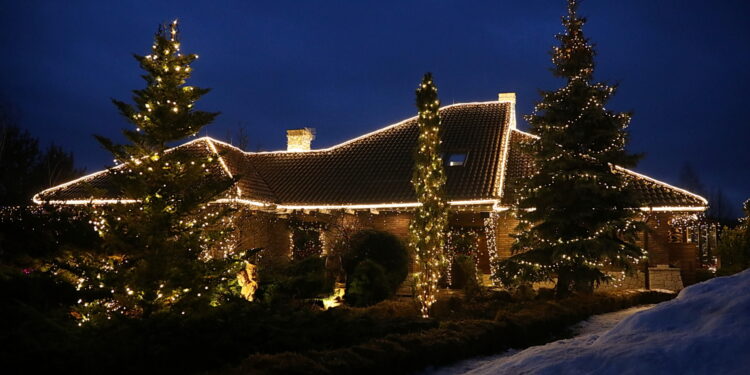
x=705 y=330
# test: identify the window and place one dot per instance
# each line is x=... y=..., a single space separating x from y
x=692 y=234
x=457 y=159
x=306 y=241
x=675 y=235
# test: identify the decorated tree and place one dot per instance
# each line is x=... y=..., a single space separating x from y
x=577 y=213
x=164 y=246
x=427 y=228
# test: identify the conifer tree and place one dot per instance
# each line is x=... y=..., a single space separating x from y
x=427 y=227
x=734 y=245
x=167 y=248
x=577 y=213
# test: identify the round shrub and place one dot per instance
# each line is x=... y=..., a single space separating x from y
x=382 y=248
x=368 y=285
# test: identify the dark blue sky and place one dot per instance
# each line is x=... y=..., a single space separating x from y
x=349 y=67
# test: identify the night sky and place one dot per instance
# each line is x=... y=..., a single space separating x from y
x=349 y=67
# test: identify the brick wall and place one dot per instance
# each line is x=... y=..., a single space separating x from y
x=506 y=225
x=396 y=223
x=264 y=230
x=272 y=233
x=662 y=252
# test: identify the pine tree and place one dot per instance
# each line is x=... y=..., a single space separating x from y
x=427 y=228
x=25 y=168
x=168 y=248
x=577 y=213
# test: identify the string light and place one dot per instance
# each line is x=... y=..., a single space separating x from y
x=577 y=147
x=429 y=222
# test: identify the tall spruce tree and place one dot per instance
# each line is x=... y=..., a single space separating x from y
x=577 y=214
x=427 y=227
x=168 y=248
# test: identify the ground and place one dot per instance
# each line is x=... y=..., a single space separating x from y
x=703 y=331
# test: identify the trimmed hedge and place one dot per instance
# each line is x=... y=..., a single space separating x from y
x=520 y=325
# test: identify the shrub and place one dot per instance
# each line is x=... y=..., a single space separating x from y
x=382 y=248
x=734 y=245
x=31 y=236
x=406 y=309
x=518 y=326
x=545 y=293
x=465 y=276
x=296 y=279
x=368 y=285
x=734 y=250
x=703 y=274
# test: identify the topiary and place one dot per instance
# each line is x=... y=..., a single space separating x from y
x=382 y=248
x=368 y=284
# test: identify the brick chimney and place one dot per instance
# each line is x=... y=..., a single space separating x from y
x=299 y=139
x=510 y=98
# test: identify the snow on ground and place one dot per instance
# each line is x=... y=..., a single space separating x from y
x=594 y=325
x=705 y=330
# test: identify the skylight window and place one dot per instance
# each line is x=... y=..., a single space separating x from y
x=456 y=159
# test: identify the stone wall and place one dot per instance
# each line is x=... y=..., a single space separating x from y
x=620 y=281
x=664 y=277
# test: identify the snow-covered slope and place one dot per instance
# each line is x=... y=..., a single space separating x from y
x=705 y=330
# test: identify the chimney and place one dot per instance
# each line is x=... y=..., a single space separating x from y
x=510 y=98
x=507 y=97
x=299 y=139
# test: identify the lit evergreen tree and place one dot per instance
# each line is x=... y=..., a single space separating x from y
x=169 y=249
x=427 y=228
x=577 y=213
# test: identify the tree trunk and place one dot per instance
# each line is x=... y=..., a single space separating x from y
x=564 y=279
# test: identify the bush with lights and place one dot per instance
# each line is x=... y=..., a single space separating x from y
x=164 y=248
x=427 y=227
x=577 y=215
x=734 y=246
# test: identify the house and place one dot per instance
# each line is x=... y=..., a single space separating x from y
x=301 y=200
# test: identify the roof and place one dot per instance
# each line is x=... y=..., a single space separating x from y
x=99 y=187
x=375 y=170
x=651 y=192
